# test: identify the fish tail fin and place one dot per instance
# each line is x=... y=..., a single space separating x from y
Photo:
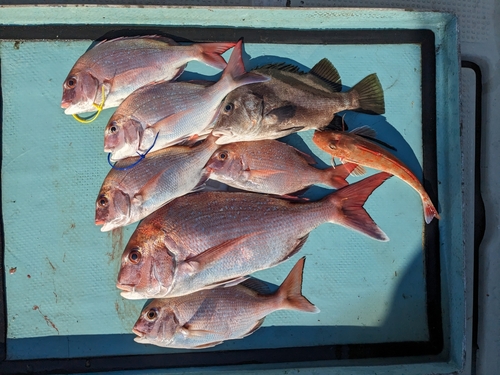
x=430 y=211
x=211 y=53
x=370 y=95
x=335 y=176
x=290 y=292
x=235 y=73
x=350 y=200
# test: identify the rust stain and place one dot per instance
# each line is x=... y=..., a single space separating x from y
x=55 y=294
x=73 y=225
x=47 y=320
x=17 y=43
x=117 y=307
x=13 y=270
x=29 y=276
x=116 y=244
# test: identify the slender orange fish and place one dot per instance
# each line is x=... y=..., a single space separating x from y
x=354 y=147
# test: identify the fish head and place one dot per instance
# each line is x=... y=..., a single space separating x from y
x=80 y=89
x=112 y=208
x=122 y=136
x=157 y=323
x=147 y=267
x=240 y=116
x=327 y=140
x=226 y=161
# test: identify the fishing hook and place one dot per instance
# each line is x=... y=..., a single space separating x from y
x=99 y=108
x=142 y=156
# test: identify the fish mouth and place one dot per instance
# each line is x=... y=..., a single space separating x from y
x=138 y=333
x=65 y=104
x=108 y=226
x=125 y=287
x=99 y=221
x=109 y=149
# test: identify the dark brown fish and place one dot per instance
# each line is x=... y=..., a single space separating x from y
x=207 y=318
x=292 y=101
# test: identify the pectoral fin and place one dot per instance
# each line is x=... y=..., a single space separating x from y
x=186 y=331
x=281 y=114
x=208 y=257
x=147 y=190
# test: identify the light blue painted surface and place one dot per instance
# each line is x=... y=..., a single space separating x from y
x=53 y=168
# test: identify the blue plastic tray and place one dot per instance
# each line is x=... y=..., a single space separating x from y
x=401 y=299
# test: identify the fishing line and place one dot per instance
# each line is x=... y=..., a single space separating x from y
x=142 y=156
x=99 y=108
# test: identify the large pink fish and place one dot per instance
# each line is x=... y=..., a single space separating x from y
x=206 y=239
x=119 y=66
x=207 y=318
x=271 y=167
x=193 y=117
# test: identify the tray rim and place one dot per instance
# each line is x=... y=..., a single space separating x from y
x=450 y=22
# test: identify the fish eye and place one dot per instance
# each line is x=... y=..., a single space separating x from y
x=71 y=82
x=332 y=145
x=135 y=256
x=228 y=107
x=151 y=314
x=113 y=127
x=223 y=155
x=102 y=201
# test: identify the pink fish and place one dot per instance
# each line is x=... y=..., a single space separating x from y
x=119 y=66
x=192 y=118
x=271 y=167
x=206 y=239
x=207 y=318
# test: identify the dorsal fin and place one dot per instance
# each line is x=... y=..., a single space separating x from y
x=365 y=131
x=281 y=66
x=256 y=285
x=325 y=71
x=370 y=134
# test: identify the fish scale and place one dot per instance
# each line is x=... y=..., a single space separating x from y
x=174 y=124
x=207 y=238
x=119 y=66
x=208 y=317
x=159 y=178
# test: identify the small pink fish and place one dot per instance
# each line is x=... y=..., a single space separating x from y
x=209 y=317
x=119 y=66
x=129 y=195
x=271 y=167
